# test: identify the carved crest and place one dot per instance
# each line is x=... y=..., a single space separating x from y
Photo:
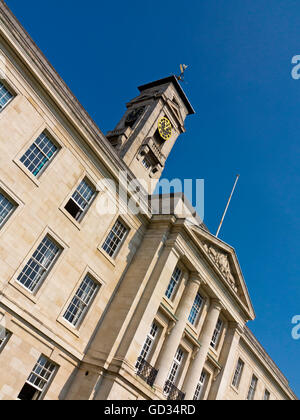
x=221 y=260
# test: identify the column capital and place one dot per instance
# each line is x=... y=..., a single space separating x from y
x=195 y=277
x=171 y=247
x=216 y=304
x=233 y=325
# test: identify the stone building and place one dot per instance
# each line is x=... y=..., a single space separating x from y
x=123 y=305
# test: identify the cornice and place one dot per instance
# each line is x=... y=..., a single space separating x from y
x=167 y=312
x=192 y=338
x=251 y=341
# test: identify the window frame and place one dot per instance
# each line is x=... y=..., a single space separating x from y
x=152 y=338
x=214 y=345
x=252 y=390
x=93 y=307
x=267 y=393
x=146 y=163
x=88 y=182
x=7 y=337
x=10 y=90
x=47 y=382
x=19 y=204
x=178 y=363
x=176 y=285
x=48 y=270
x=12 y=211
x=120 y=244
x=197 y=310
x=87 y=307
x=237 y=374
x=201 y=384
x=56 y=144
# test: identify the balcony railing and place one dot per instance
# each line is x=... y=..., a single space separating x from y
x=149 y=145
x=145 y=371
x=173 y=392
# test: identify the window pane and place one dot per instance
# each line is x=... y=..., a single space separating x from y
x=146 y=349
x=238 y=374
x=80 y=200
x=39 y=154
x=173 y=283
x=6 y=208
x=195 y=309
x=38 y=379
x=29 y=393
x=252 y=388
x=146 y=163
x=200 y=386
x=83 y=194
x=174 y=371
x=5 y=96
x=217 y=333
x=4 y=337
x=81 y=301
x=114 y=239
x=39 y=264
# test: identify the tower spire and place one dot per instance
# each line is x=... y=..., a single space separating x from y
x=150 y=127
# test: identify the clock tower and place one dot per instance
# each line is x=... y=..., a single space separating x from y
x=149 y=128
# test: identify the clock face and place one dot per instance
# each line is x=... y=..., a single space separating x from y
x=165 y=128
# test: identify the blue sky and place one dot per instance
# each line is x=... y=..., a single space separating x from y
x=247 y=119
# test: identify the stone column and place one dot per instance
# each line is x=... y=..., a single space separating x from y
x=227 y=360
x=148 y=302
x=173 y=340
x=196 y=366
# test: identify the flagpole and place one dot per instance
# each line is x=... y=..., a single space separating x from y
x=236 y=181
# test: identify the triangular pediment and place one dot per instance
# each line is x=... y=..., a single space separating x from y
x=225 y=262
x=144 y=97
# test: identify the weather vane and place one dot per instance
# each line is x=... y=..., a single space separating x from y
x=183 y=68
